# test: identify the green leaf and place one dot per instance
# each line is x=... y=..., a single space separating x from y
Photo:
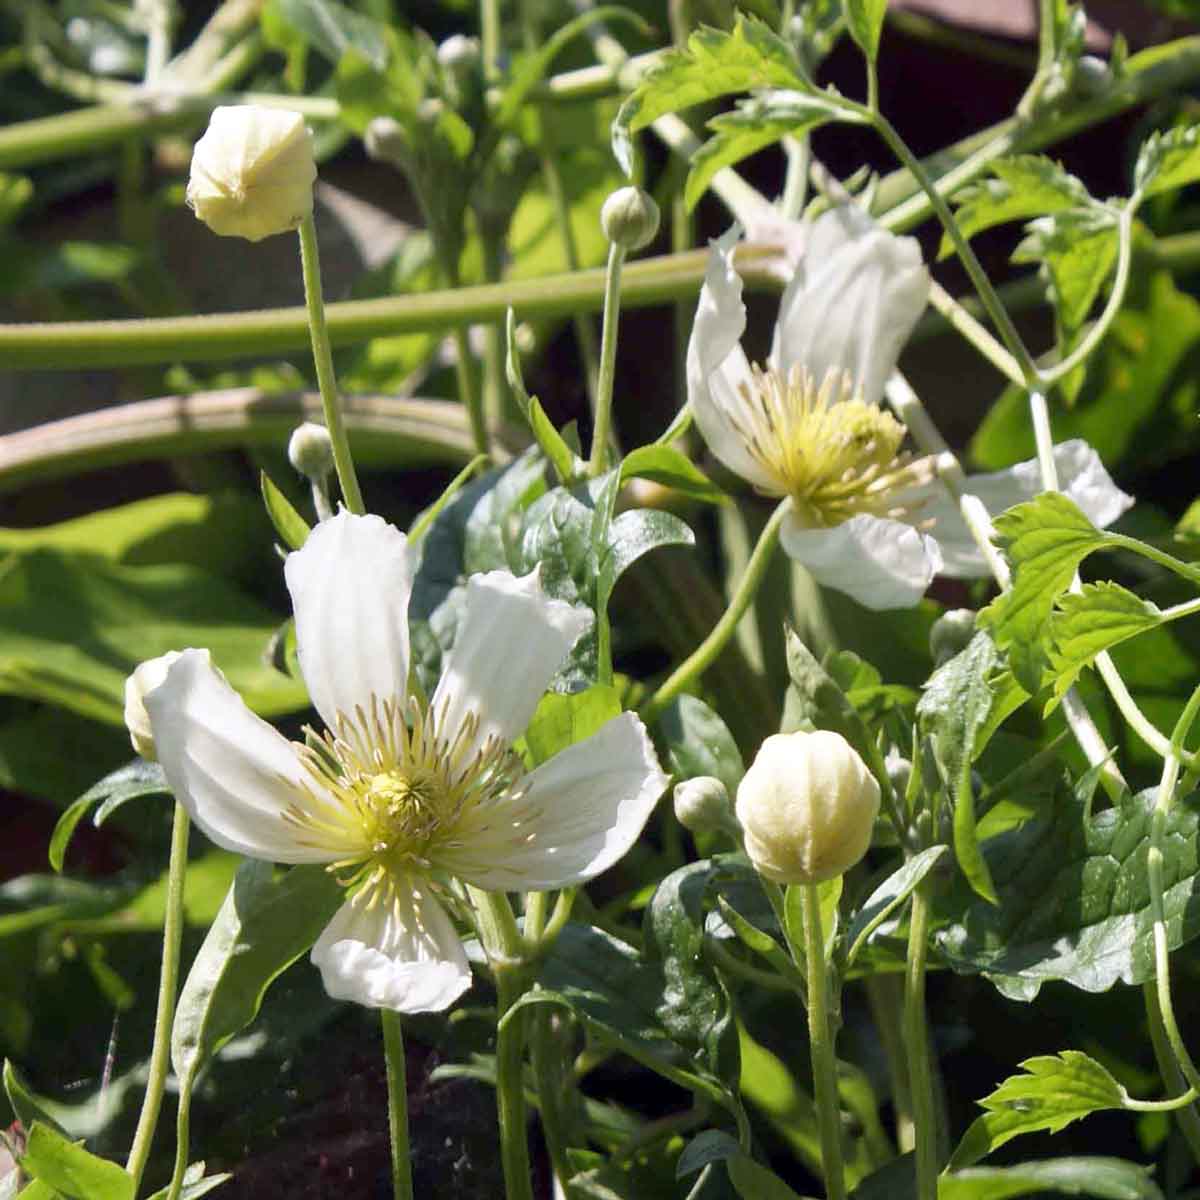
x=71 y=1170
x=698 y=742
x=1107 y=1178
x=560 y=720
x=1029 y=185
x=1045 y=540
x=754 y=125
x=632 y=534
x=333 y=30
x=72 y=628
x=762 y=943
x=1075 y=898
x=264 y=925
x=1056 y=1090
x=195 y=1184
x=673 y=469
x=713 y=63
x=1094 y=619
x=289 y=524
x=864 y=18
x=887 y=897
x=138 y=778
x=752 y=1180
x=1168 y=160
x=562 y=458
x=25 y=1105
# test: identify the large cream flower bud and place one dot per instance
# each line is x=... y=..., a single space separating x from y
x=253 y=172
x=807 y=806
x=145 y=678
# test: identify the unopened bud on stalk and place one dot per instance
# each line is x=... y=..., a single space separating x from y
x=459 y=53
x=253 y=172
x=145 y=678
x=703 y=806
x=629 y=218
x=807 y=806
x=310 y=451
x=950 y=633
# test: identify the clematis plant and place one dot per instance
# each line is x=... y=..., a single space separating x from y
x=399 y=796
x=866 y=517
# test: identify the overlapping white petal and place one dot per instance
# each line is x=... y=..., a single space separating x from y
x=575 y=816
x=855 y=296
x=510 y=643
x=350 y=586
x=1081 y=475
x=880 y=563
x=234 y=773
x=404 y=955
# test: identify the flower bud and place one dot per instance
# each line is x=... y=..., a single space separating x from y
x=950 y=633
x=629 y=218
x=459 y=53
x=310 y=451
x=702 y=805
x=807 y=806
x=145 y=678
x=252 y=172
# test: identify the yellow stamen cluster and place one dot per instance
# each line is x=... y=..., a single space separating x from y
x=833 y=453
x=387 y=793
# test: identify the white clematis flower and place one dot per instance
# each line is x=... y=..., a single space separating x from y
x=398 y=794
x=866 y=517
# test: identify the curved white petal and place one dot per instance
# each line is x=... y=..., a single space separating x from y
x=577 y=814
x=880 y=563
x=853 y=301
x=350 y=586
x=1081 y=475
x=510 y=642
x=717 y=367
x=233 y=772
x=405 y=955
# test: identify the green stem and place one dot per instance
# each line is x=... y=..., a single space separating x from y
x=1188 y=1119
x=489 y=38
x=704 y=654
x=501 y=939
x=824 y=1065
x=168 y=982
x=602 y=430
x=182 y=1141
x=323 y=359
x=495 y=379
x=884 y=994
x=397 y=1089
x=916 y=1041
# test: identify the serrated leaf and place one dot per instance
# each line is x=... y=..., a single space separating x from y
x=864 y=18
x=1168 y=160
x=673 y=469
x=754 y=125
x=713 y=63
x=1100 y=616
x=1055 y=1090
x=887 y=897
x=292 y=528
x=1029 y=185
x=138 y=778
x=1105 y=1178
x=71 y=1170
x=1075 y=898
x=1045 y=540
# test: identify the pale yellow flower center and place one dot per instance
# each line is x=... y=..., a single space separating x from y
x=833 y=453
x=387 y=794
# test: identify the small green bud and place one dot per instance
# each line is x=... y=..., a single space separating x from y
x=310 y=451
x=950 y=633
x=807 y=807
x=629 y=218
x=702 y=805
x=253 y=172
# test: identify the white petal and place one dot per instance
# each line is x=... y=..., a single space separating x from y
x=577 y=815
x=509 y=645
x=880 y=563
x=350 y=586
x=233 y=772
x=405 y=955
x=717 y=366
x=1081 y=475
x=853 y=302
